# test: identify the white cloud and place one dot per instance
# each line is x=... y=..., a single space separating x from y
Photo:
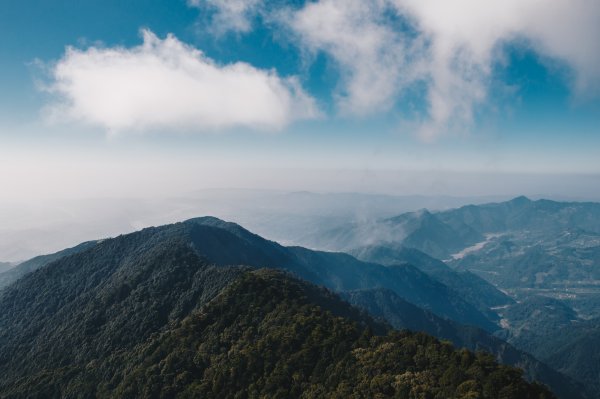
x=375 y=61
x=453 y=51
x=230 y=15
x=165 y=84
x=465 y=36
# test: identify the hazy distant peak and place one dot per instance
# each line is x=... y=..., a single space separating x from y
x=421 y=214
x=520 y=200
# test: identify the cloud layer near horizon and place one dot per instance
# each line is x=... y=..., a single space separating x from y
x=165 y=84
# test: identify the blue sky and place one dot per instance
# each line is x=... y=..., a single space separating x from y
x=96 y=97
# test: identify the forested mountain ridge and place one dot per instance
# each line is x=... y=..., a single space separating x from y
x=469 y=285
x=13 y=274
x=550 y=330
x=270 y=335
x=225 y=243
x=386 y=305
x=98 y=293
x=104 y=300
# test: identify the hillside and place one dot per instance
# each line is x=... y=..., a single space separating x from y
x=225 y=243
x=11 y=275
x=269 y=335
x=468 y=285
x=531 y=322
x=386 y=305
x=98 y=287
x=106 y=299
x=5 y=266
x=551 y=330
x=543 y=255
x=577 y=356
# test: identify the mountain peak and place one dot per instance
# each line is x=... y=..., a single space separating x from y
x=212 y=221
x=206 y=220
x=521 y=200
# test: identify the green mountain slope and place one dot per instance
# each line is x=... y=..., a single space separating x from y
x=468 y=285
x=400 y=314
x=106 y=299
x=579 y=357
x=532 y=321
x=5 y=266
x=228 y=243
x=13 y=274
x=551 y=331
x=225 y=243
x=269 y=335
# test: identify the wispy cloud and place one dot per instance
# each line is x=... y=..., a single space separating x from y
x=229 y=15
x=466 y=36
x=375 y=61
x=383 y=46
x=166 y=84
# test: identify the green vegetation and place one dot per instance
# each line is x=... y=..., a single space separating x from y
x=269 y=335
x=551 y=330
x=102 y=301
x=579 y=357
x=101 y=320
x=9 y=275
x=227 y=243
x=400 y=314
x=467 y=285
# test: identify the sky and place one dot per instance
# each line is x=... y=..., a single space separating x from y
x=125 y=98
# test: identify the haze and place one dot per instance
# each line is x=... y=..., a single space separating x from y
x=116 y=106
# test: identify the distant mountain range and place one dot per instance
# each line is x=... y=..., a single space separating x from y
x=543 y=254
x=98 y=301
x=446 y=233
x=420 y=230
x=41 y=227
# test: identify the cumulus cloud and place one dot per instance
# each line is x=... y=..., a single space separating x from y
x=166 y=84
x=230 y=15
x=452 y=48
